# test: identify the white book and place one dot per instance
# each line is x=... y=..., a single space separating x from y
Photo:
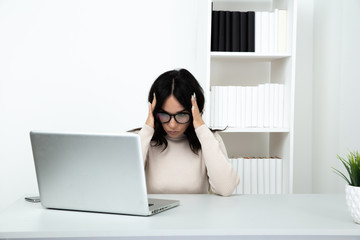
x=232 y=106
x=254 y=176
x=225 y=106
x=265 y=32
x=281 y=105
x=276 y=29
x=254 y=108
x=261 y=103
x=261 y=184
x=248 y=107
x=271 y=32
x=221 y=109
x=272 y=175
x=212 y=106
x=240 y=171
x=282 y=31
x=276 y=105
x=243 y=106
x=234 y=165
x=266 y=175
x=266 y=105
x=279 y=174
x=257 y=31
x=222 y=103
x=238 y=106
x=271 y=105
x=247 y=175
x=217 y=107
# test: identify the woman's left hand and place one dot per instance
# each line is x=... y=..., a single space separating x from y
x=197 y=119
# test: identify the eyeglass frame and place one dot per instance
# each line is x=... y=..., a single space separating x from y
x=174 y=116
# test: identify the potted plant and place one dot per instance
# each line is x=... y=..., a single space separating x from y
x=352 y=190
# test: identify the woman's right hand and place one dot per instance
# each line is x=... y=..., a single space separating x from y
x=150 y=118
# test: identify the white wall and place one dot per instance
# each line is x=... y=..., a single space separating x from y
x=326 y=98
x=303 y=98
x=336 y=85
x=85 y=65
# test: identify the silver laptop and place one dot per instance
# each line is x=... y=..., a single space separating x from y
x=93 y=172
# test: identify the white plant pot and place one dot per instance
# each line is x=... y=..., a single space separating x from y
x=353 y=202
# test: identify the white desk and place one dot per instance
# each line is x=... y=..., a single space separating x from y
x=198 y=217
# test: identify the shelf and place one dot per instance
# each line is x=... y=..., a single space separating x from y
x=246 y=2
x=251 y=69
x=248 y=56
x=254 y=130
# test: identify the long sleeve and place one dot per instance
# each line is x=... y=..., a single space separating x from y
x=145 y=134
x=222 y=178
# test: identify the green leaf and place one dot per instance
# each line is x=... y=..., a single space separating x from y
x=352 y=167
x=341 y=175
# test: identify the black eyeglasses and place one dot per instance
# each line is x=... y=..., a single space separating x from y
x=181 y=118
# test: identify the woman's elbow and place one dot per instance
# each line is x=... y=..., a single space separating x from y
x=225 y=192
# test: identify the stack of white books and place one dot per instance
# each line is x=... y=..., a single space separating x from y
x=258 y=175
x=271 y=31
x=259 y=106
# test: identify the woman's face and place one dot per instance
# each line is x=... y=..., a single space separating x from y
x=172 y=128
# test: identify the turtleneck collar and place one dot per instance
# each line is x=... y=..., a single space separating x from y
x=178 y=139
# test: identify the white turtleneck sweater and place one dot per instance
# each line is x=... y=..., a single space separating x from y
x=177 y=169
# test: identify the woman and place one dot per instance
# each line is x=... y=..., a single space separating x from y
x=181 y=154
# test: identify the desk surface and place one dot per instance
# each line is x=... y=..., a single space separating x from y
x=198 y=216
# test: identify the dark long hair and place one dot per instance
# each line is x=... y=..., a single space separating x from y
x=182 y=85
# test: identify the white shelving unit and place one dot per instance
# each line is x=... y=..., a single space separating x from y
x=247 y=56
x=251 y=69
